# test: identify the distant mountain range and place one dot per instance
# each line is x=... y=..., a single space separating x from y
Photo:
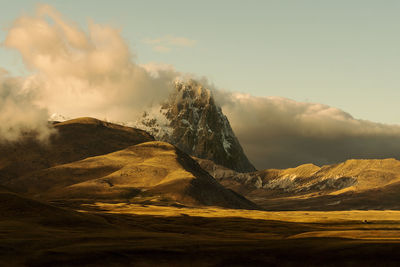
x=353 y=184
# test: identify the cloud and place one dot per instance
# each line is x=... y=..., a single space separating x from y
x=167 y=42
x=82 y=73
x=279 y=133
x=18 y=112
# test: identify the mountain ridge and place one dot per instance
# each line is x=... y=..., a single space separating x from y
x=353 y=184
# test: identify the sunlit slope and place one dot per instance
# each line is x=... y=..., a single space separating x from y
x=151 y=172
x=351 y=175
x=72 y=140
x=353 y=184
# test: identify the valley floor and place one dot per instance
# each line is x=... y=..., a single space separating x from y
x=139 y=235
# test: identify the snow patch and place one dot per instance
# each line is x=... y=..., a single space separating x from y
x=155 y=122
x=58 y=117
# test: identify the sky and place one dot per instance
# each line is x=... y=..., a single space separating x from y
x=344 y=54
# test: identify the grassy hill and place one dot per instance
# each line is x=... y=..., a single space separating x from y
x=72 y=140
x=151 y=172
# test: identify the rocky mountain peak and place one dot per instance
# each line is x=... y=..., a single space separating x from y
x=191 y=120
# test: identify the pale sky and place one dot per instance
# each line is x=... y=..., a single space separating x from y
x=345 y=54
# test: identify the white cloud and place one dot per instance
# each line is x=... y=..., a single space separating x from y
x=84 y=73
x=18 y=112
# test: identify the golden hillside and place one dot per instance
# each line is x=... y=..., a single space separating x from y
x=353 y=184
x=72 y=140
x=151 y=172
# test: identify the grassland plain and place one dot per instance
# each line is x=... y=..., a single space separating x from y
x=123 y=234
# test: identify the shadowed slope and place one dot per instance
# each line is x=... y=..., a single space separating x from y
x=17 y=208
x=151 y=172
x=73 y=140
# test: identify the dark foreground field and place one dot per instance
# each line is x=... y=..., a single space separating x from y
x=135 y=236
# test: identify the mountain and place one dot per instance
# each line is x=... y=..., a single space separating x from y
x=72 y=140
x=353 y=184
x=151 y=172
x=191 y=120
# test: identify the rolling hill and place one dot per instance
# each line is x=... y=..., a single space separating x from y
x=72 y=140
x=353 y=184
x=152 y=172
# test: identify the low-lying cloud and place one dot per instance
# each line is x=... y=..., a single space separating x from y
x=18 y=112
x=279 y=133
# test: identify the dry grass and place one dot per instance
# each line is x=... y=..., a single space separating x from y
x=358 y=216
x=155 y=171
x=168 y=236
x=366 y=225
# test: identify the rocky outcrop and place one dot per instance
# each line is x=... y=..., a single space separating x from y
x=191 y=120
